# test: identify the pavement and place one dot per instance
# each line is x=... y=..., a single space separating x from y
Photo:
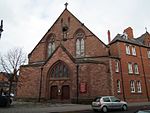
x=57 y=108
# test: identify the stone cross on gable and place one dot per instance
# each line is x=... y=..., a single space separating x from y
x=66 y=4
x=146 y=29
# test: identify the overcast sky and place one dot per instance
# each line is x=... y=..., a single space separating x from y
x=26 y=21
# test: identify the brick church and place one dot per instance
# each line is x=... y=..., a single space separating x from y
x=71 y=64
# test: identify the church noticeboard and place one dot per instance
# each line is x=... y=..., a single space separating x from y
x=83 y=87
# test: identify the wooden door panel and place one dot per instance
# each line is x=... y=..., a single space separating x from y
x=54 y=92
x=65 y=92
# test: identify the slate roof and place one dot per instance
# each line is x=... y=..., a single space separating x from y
x=121 y=38
x=136 y=41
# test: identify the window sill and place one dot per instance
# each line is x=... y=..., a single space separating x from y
x=63 y=78
x=131 y=73
x=119 y=93
x=136 y=92
x=131 y=55
x=116 y=71
x=134 y=74
x=133 y=92
x=134 y=55
x=128 y=54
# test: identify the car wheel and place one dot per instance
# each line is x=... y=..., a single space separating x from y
x=124 y=107
x=104 y=109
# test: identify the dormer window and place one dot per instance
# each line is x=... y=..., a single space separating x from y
x=51 y=45
x=125 y=36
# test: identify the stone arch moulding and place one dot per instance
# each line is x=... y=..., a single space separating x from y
x=56 y=81
x=79 y=30
x=55 y=64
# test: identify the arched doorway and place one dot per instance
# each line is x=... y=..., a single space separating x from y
x=58 y=82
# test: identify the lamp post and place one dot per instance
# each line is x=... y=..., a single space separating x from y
x=1 y=28
x=77 y=66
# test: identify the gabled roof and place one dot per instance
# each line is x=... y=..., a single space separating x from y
x=65 y=50
x=42 y=63
x=55 y=23
x=142 y=37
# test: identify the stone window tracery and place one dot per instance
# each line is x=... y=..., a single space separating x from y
x=80 y=44
x=59 y=70
x=51 y=45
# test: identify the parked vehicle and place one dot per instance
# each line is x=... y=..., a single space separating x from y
x=5 y=101
x=106 y=103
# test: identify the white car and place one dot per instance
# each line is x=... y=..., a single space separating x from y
x=106 y=103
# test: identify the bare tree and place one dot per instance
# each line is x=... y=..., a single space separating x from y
x=11 y=62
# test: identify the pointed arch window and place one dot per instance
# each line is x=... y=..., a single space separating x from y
x=51 y=45
x=80 y=44
x=59 y=70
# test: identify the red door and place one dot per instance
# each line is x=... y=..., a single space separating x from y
x=65 y=92
x=54 y=92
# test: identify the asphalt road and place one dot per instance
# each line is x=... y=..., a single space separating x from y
x=50 y=108
x=130 y=110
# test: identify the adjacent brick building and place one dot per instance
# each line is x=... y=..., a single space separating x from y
x=134 y=64
x=72 y=64
x=5 y=81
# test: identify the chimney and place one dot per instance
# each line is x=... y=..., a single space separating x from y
x=129 y=32
x=109 y=38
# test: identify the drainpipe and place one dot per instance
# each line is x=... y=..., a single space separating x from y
x=144 y=75
x=77 y=83
x=40 y=85
x=122 y=81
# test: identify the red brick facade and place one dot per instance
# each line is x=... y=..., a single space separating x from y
x=118 y=50
x=65 y=76
x=4 y=83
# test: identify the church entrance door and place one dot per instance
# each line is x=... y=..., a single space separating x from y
x=54 y=92
x=65 y=92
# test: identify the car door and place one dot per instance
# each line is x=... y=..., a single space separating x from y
x=115 y=103
x=107 y=102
